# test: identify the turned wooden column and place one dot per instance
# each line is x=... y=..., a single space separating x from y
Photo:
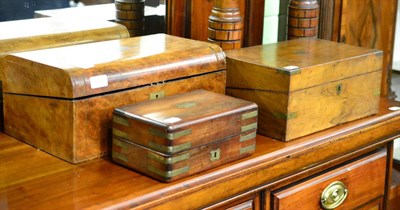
x=225 y=24
x=130 y=13
x=303 y=19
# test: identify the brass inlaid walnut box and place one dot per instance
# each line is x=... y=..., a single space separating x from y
x=61 y=100
x=306 y=85
x=180 y=135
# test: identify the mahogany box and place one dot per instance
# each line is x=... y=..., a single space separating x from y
x=61 y=100
x=306 y=85
x=180 y=135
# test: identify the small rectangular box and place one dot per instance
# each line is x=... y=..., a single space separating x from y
x=306 y=85
x=180 y=135
x=61 y=100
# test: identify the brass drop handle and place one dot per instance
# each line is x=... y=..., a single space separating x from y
x=334 y=195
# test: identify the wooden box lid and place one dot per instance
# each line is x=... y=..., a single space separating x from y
x=198 y=117
x=94 y=68
x=42 y=33
x=298 y=64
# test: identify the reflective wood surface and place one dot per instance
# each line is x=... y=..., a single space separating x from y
x=31 y=178
x=18 y=36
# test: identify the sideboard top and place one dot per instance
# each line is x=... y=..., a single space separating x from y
x=30 y=177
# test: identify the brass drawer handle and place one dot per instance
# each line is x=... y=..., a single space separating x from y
x=333 y=195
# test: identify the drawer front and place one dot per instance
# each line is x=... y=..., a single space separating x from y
x=248 y=205
x=242 y=202
x=356 y=183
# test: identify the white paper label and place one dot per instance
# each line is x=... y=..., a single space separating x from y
x=394 y=108
x=291 y=67
x=172 y=120
x=98 y=81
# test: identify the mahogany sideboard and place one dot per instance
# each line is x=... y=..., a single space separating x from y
x=279 y=175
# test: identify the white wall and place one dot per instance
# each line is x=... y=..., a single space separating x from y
x=396 y=53
x=271 y=21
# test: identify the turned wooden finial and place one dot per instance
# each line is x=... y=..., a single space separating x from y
x=225 y=24
x=303 y=19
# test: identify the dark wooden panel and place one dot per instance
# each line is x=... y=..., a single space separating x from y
x=254 y=24
x=189 y=18
x=394 y=194
x=370 y=24
x=326 y=17
x=176 y=17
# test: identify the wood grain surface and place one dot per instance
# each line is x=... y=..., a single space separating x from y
x=78 y=130
x=307 y=194
x=307 y=63
x=190 y=19
x=302 y=88
x=146 y=136
x=123 y=63
x=199 y=112
x=102 y=184
x=370 y=24
x=18 y=36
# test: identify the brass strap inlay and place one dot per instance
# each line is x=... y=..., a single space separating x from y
x=170 y=136
x=119 y=133
x=168 y=174
x=247 y=137
x=120 y=143
x=284 y=116
x=168 y=160
x=120 y=120
x=249 y=127
x=249 y=115
x=119 y=156
x=247 y=149
x=170 y=149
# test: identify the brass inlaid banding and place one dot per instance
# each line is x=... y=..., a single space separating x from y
x=249 y=115
x=121 y=121
x=168 y=174
x=169 y=136
x=119 y=133
x=120 y=143
x=168 y=160
x=248 y=127
x=120 y=156
x=248 y=137
x=247 y=149
x=170 y=149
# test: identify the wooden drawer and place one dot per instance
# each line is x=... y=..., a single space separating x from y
x=241 y=202
x=363 y=181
